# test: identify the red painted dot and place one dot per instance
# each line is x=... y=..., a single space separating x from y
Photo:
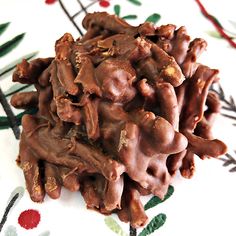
x=50 y=1
x=29 y=219
x=104 y=3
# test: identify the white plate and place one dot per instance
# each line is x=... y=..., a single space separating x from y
x=204 y=205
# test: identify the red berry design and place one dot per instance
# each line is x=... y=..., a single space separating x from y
x=50 y=1
x=104 y=3
x=29 y=219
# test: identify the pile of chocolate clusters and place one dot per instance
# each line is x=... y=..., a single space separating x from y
x=119 y=112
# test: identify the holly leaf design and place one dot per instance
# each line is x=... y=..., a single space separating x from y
x=221 y=92
x=233 y=169
x=130 y=17
x=214 y=34
x=10 y=231
x=10 y=45
x=154 y=18
x=136 y=2
x=3 y=27
x=229 y=103
x=229 y=116
x=156 y=200
x=15 y=88
x=232 y=102
x=117 y=10
x=114 y=226
x=229 y=160
x=4 y=121
x=11 y=120
x=154 y=224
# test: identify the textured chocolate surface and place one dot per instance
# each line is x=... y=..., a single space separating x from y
x=120 y=111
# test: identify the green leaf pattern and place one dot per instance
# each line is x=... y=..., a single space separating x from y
x=136 y=2
x=4 y=122
x=10 y=45
x=17 y=87
x=130 y=17
x=117 y=10
x=154 y=18
x=3 y=27
x=154 y=224
x=214 y=34
x=156 y=200
x=114 y=226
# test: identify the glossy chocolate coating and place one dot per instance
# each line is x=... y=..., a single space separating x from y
x=120 y=111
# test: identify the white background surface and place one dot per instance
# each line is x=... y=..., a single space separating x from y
x=204 y=205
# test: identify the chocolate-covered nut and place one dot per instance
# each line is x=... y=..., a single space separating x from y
x=116 y=78
x=52 y=180
x=28 y=73
x=24 y=100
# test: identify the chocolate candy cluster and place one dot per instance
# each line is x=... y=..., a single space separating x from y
x=119 y=112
